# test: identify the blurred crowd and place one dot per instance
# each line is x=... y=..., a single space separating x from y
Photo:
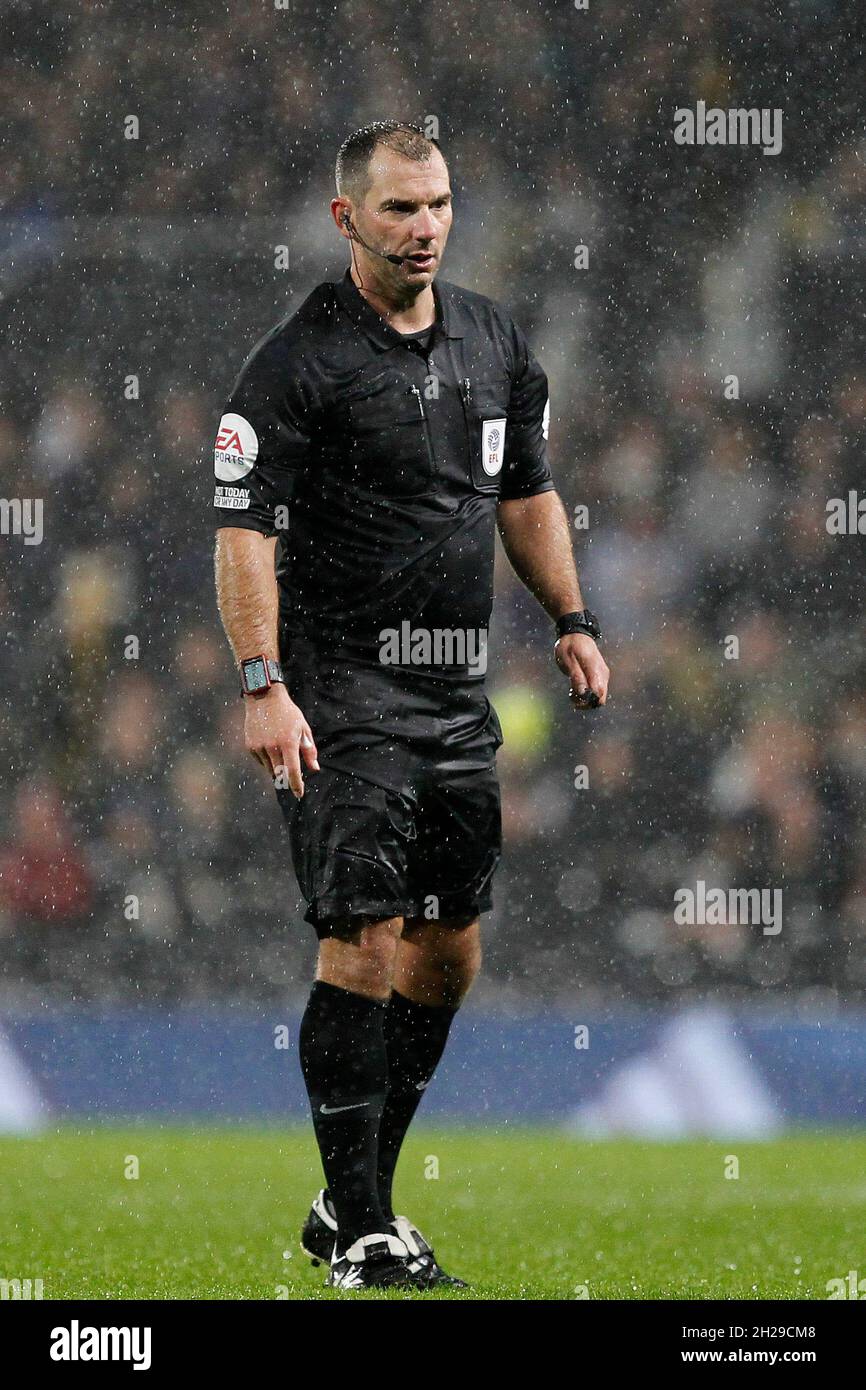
x=708 y=397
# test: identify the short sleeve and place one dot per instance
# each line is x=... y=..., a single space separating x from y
x=263 y=440
x=526 y=470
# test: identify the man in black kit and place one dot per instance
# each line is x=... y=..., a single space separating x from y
x=375 y=439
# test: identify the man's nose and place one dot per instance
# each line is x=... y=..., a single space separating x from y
x=425 y=227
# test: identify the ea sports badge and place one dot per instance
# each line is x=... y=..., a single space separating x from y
x=492 y=445
x=236 y=448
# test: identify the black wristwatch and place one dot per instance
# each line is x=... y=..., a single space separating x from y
x=578 y=622
x=259 y=673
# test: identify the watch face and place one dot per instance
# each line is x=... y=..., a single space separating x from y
x=255 y=675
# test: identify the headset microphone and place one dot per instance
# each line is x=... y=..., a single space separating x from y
x=353 y=233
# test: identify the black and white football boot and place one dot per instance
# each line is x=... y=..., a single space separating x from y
x=320 y=1230
x=378 y=1261
x=320 y=1233
x=422 y=1262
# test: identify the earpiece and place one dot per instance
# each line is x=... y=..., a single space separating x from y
x=347 y=223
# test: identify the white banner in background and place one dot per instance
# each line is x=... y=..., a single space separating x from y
x=697 y=1078
x=22 y=1108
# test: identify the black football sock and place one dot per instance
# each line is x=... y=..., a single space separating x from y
x=345 y=1066
x=415 y=1037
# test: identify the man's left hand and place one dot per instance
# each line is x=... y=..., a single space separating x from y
x=579 y=657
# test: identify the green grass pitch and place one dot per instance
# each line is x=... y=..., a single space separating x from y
x=214 y=1213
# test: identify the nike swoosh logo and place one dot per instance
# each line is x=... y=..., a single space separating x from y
x=335 y=1109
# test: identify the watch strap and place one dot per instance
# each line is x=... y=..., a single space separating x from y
x=582 y=621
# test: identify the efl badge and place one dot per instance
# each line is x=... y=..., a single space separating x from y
x=236 y=448
x=492 y=445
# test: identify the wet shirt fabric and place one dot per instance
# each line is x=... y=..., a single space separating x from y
x=379 y=460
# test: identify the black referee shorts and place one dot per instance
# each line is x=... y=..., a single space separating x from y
x=404 y=817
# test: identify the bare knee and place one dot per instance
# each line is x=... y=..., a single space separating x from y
x=359 y=956
x=437 y=962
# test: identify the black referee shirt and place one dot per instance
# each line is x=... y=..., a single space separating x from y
x=378 y=459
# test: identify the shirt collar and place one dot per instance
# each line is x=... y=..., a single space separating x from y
x=372 y=323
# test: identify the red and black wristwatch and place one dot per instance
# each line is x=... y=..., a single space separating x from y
x=259 y=673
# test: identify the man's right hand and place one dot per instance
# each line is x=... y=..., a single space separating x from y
x=278 y=736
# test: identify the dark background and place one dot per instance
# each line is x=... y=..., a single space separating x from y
x=155 y=258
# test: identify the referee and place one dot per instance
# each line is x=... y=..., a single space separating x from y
x=371 y=445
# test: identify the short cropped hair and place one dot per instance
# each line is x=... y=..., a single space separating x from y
x=353 y=157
